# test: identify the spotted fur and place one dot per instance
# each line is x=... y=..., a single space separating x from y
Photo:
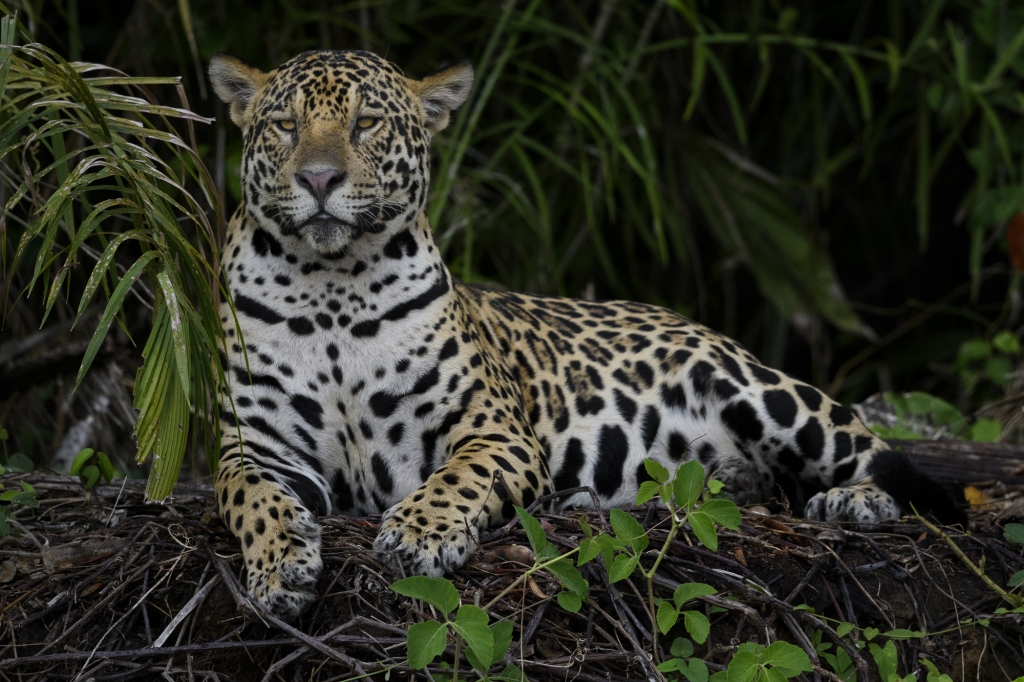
x=372 y=381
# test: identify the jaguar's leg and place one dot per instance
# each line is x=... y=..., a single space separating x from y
x=279 y=535
x=435 y=530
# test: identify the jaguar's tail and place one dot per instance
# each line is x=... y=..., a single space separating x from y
x=893 y=472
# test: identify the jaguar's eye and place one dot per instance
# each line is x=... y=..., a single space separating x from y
x=366 y=122
x=286 y=125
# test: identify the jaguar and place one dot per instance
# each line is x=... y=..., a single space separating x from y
x=363 y=378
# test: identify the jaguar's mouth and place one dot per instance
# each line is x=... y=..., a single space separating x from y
x=324 y=229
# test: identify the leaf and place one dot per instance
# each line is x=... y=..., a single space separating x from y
x=569 y=576
x=743 y=667
x=113 y=306
x=892 y=54
x=658 y=472
x=534 y=532
x=425 y=642
x=700 y=52
x=501 y=632
x=791 y=660
x=608 y=544
x=863 y=90
x=90 y=475
x=698 y=625
x=106 y=468
x=715 y=486
x=589 y=549
x=471 y=624
x=438 y=592
x=622 y=567
x=695 y=671
x=512 y=674
x=585 y=527
x=902 y=633
x=986 y=431
x=81 y=458
x=688 y=484
x=704 y=528
x=870 y=633
x=628 y=530
x=885 y=658
x=681 y=647
x=723 y=512
x=844 y=629
x=171 y=299
x=1006 y=342
x=648 y=489
x=667 y=617
x=1014 y=532
x=569 y=601
x=690 y=591
x=20 y=463
x=671 y=665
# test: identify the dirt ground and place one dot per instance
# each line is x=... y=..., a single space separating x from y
x=114 y=589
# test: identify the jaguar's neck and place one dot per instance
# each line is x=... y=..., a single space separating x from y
x=381 y=282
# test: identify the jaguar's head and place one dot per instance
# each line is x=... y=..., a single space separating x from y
x=336 y=144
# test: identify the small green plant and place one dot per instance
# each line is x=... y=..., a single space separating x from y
x=89 y=466
x=574 y=586
x=485 y=645
x=982 y=366
x=840 y=661
x=25 y=497
x=684 y=662
x=682 y=495
x=756 y=663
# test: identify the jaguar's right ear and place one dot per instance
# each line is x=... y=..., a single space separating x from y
x=236 y=83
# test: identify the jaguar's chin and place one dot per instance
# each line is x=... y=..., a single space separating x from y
x=327 y=234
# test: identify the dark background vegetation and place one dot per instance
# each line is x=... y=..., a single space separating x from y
x=830 y=183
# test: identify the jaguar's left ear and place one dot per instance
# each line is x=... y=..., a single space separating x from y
x=443 y=93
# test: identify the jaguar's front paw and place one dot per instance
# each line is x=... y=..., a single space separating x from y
x=863 y=504
x=283 y=562
x=418 y=541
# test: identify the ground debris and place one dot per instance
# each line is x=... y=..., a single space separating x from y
x=116 y=589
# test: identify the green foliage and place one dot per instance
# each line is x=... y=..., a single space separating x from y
x=934 y=675
x=89 y=466
x=917 y=411
x=102 y=176
x=755 y=663
x=886 y=659
x=486 y=645
x=622 y=551
x=840 y=662
x=1014 y=532
x=26 y=497
x=575 y=587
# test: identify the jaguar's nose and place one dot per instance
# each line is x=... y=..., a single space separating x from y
x=321 y=184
